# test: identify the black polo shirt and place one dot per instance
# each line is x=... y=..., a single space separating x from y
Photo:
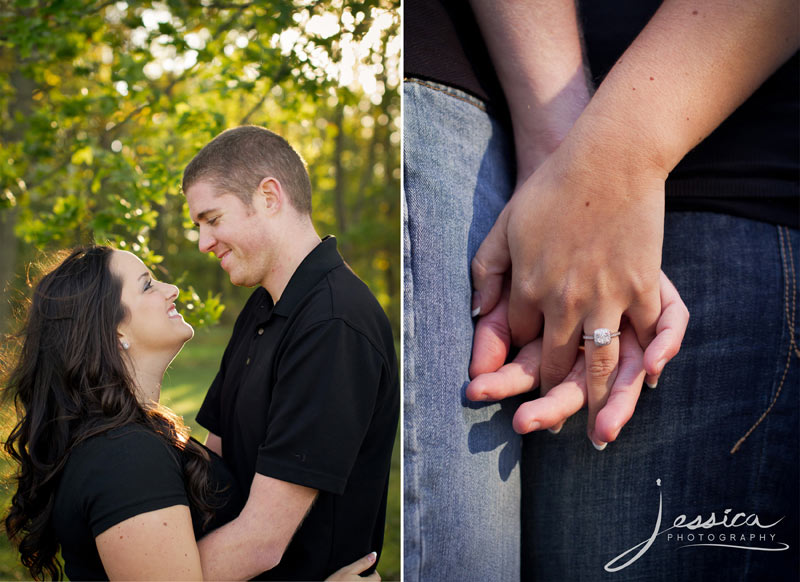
x=308 y=392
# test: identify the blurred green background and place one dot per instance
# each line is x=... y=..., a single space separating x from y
x=103 y=103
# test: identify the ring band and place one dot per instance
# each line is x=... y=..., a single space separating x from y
x=602 y=336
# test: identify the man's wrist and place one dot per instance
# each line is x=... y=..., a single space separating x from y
x=541 y=127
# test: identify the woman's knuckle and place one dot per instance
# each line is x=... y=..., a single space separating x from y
x=571 y=300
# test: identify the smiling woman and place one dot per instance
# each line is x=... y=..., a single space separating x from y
x=153 y=331
x=99 y=335
x=106 y=474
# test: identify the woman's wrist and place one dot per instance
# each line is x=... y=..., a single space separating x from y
x=613 y=158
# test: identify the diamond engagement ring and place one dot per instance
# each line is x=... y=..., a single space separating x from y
x=601 y=336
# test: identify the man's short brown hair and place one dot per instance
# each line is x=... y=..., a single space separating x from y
x=238 y=159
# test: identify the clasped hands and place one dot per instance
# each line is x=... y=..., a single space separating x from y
x=578 y=247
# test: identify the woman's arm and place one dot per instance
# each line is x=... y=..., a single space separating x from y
x=157 y=545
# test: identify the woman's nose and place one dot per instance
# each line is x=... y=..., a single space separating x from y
x=170 y=291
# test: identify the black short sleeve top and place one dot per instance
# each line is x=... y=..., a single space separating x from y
x=118 y=475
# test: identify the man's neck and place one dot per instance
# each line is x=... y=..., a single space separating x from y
x=296 y=245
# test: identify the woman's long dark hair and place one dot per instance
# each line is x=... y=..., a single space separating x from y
x=69 y=382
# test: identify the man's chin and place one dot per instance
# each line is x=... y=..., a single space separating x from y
x=241 y=281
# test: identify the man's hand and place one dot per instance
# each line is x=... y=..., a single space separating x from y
x=492 y=380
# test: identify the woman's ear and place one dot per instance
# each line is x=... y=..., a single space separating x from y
x=270 y=194
x=123 y=341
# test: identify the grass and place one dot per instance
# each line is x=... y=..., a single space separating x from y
x=183 y=391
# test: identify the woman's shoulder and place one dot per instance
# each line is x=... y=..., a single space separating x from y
x=128 y=445
x=120 y=435
x=120 y=473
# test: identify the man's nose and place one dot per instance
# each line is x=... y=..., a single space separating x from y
x=206 y=242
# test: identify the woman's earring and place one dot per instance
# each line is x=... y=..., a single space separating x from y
x=125 y=345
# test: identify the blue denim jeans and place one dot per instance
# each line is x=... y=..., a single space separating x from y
x=583 y=510
x=461 y=460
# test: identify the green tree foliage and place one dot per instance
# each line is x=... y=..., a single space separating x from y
x=103 y=103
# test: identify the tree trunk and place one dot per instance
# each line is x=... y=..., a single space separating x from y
x=367 y=171
x=339 y=188
x=21 y=103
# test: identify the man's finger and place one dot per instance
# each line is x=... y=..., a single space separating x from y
x=670 y=330
x=489 y=266
x=602 y=355
x=517 y=377
x=561 y=402
x=492 y=339
x=625 y=391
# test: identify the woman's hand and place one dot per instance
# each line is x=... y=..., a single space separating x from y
x=584 y=237
x=492 y=380
x=352 y=571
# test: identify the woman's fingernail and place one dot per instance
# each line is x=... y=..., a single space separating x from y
x=600 y=446
x=372 y=556
x=660 y=365
x=476 y=304
x=652 y=384
x=556 y=429
x=535 y=425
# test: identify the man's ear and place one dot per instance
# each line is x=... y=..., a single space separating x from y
x=270 y=194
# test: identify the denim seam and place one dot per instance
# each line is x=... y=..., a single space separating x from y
x=469 y=101
x=787 y=260
x=792 y=328
x=411 y=519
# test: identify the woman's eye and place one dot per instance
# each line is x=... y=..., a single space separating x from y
x=148 y=285
x=213 y=221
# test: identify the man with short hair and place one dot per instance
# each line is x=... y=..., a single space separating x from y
x=305 y=405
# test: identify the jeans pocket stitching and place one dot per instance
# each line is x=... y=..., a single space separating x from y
x=789 y=305
x=450 y=93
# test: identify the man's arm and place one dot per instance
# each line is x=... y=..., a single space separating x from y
x=536 y=51
x=214 y=443
x=255 y=541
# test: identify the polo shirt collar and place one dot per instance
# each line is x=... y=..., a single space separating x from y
x=314 y=267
